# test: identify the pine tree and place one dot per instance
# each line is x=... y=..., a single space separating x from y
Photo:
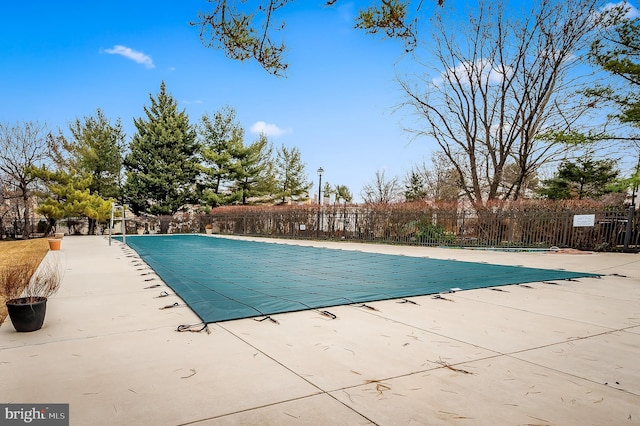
x=327 y=191
x=290 y=175
x=618 y=53
x=96 y=149
x=584 y=179
x=414 y=187
x=221 y=137
x=161 y=167
x=252 y=172
x=67 y=195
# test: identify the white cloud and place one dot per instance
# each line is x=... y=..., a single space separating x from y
x=555 y=55
x=134 y=55
x=481 y=71
x=268 y=129
x=602 y=18
x=631 y=11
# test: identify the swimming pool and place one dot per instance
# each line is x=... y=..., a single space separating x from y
x=224 y=279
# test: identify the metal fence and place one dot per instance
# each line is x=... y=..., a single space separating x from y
x=580 y=229
x=39 y=227
x=516 y=228
x=12 y=228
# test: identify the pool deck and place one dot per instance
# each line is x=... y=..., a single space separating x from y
x=546 y=353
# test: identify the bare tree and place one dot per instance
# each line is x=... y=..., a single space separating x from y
x=21 y=146
x=382 y=190
x=502 y=84
x=440 y=180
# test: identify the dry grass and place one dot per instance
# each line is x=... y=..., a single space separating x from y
x=13 y=252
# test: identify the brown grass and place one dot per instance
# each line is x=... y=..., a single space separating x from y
x=13 y=252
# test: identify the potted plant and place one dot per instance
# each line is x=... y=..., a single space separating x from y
x=27 y=292
x=55 y=243
x=208 y=228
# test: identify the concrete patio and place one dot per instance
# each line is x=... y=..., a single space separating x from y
x=546 y=353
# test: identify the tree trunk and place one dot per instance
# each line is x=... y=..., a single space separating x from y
x=27 y=213
x=92 y=226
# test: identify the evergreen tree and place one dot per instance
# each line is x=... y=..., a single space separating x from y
x=618 y=53
x=327 y=190
x=414 y=187
x=290 y=175
x=235 y=31
x=161 y=167
x=342 y=191
x=252 y=172
x=95 y=149
x=221 y=138
x=68 y=195
x=586 y=178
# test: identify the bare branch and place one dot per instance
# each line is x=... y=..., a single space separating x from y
x=502 y=82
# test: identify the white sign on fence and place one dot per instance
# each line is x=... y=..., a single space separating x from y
x=303 y=227
x=584 y=220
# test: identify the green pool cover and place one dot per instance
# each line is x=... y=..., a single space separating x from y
x=223 y=279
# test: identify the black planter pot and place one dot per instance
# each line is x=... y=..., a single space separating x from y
x=27 y=314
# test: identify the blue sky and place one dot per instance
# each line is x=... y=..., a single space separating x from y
x=60 y=62
x=336 y=105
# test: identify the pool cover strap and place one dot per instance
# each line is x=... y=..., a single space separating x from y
x=268 y=317
x=174 y=305
x=192 y=328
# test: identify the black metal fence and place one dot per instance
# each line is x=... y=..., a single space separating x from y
x=12 y=228
x=580 y=229
x=517 y=227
